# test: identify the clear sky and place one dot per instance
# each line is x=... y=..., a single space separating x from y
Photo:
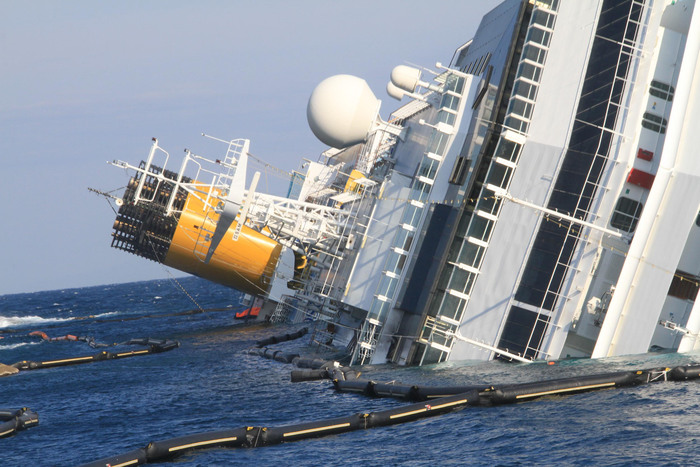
x=84 y=82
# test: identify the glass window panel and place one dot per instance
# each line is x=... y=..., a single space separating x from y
x=534 y=53
x=540 y=36
x=543 y=18
x=490 y=204
x=480 y=228
x=499 y=175
x=524 y=89
x=626 y=214
x=446 y=117
x=421 y=191
x=665 y=95
x=449 y=101
x=428 y=168
x=529 y=71
x=387 y=286
x=403 y=239
x=461 y=281
x=507 y=150
x=378 y=308
x=411 y=215
x=395 y=262
x=451 y=306
x=654 y=122
x=437 y=144
x=520 y=107
x=471 y=255
x=516 y=124
x=454 y=83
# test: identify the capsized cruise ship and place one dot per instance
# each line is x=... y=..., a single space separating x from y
x=535 y=198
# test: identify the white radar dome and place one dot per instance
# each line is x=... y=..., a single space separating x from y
x=405 y=77
x=395 y=91
x=342 y=110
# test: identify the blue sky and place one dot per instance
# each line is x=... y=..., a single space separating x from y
x=84 y=82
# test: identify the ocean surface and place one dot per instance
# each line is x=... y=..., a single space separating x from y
x=87 y=412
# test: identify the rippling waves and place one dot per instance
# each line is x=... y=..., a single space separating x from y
x=105 y=408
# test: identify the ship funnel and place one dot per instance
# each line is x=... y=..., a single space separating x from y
x=343 y=111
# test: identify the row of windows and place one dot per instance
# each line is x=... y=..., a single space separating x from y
x=627 y=211
x=427 y=170
x=585 y=158
x=474 y=231
x=654 y=122
x=661 y=90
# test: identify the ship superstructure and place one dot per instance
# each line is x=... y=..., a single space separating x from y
x=535 y=198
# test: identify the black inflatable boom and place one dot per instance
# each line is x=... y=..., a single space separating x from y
x=440 y=402
x=265 y=436
x=282 y=338
x=12 y=421
x=154 y=346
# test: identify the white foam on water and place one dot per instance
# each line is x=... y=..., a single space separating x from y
x=14 y=346
x=18 y=321
x=108 y=313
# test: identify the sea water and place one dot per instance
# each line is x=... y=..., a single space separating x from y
x=210 y=383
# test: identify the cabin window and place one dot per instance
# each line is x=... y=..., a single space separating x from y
x=697 y=220
x=543 y=18
x=530 y=71
x=455 y=83
x=387 y=286
x=411 y=215
x=499 y=175
x=538 y=35
x=654 y=122
x=438 y=142
x=471 y=254
x=512 y=121
x=428 y=168
x=395 y=262
x=461 y=280
x=507 y=150
x=534 y=53
x=520 y=107
x=661 y=90
x=403 y=240
x=480 y=228
x=449 y=101
x=684 y=286
x=446 y=116
x=626 y=214
x=525 y=89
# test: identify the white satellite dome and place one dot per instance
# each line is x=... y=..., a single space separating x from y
x=395 y=91
x=405 y=77
x=342 y=110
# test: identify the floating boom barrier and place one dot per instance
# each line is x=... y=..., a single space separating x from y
x=438 y=404
x=154 y=346
x=14 y=420
x=251 y=437
x=282 y=338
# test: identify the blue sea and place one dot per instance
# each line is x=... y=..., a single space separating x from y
x=210 y=383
